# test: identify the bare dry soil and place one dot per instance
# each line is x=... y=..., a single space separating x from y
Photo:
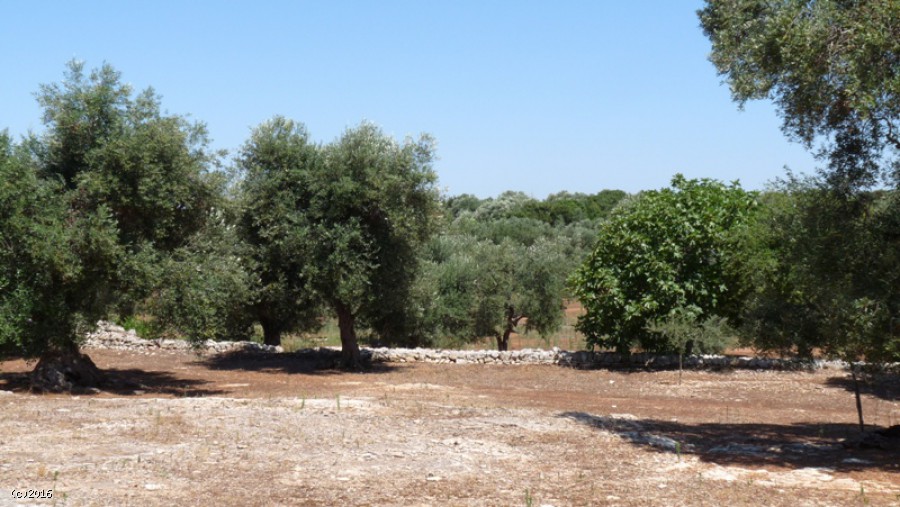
x=180 y=429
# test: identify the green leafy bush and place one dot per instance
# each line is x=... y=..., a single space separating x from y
x=664 y=250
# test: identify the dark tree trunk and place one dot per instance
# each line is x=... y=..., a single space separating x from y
x=804 y=351
x=350 y=358
x=271 y=332
x=65 y=369
x=503 y=341
x=859 y=410
x=511 y=322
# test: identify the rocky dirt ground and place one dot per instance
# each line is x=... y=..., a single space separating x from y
x=181 y=429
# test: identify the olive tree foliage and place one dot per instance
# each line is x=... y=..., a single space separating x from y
x=566 y=208
x=57 y=261
x=832 y=67
x=206 y=289
x=120 y=150
x=663 y=251
x=685 y=332
x=515 y=225
x=492 y=272
x=277 y=165
x=116 y=150
x=377 y=203
x=560 y=209
x=504 y=206
x=823 y=267
x=470 y=288
x=456 y=205
x=338 y=225
x=118 y=185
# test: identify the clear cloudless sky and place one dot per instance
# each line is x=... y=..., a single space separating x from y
x=536 y=96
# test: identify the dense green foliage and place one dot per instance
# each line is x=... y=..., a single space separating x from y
x=472 y=288
x=824 y=269
x=337 y=226
x=388 y=197
x=563 y=208
x=830 y=66
x=276 y=164
x=498 y=267
x=206 y=290
x=568 y=208
x=56 y=260
x=120 y=151
x=92 y=205
x=686 y=333
x=666 y=250
x=822 y=255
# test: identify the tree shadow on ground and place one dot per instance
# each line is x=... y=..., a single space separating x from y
x=306 y=362
x=648 y=362
x=132 y=382
x=787 y=445
x=883 y=386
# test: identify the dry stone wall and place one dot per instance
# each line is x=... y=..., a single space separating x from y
x=588 y=359
x=111 y=336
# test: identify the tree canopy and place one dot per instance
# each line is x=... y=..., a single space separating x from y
x=91 y=205
x=277 y=164
x=664 y=251
x=471 y=288
x=495 y=268
x=831 y=66
x=562 y=208
x=120 y=150
x=823 y=269
x=338 y=225
x=57 y=261
x=825 y=251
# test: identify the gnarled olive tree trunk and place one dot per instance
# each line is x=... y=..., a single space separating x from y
x=271 y=331
x=350 y=357
x=512 y=320
x=65 y=369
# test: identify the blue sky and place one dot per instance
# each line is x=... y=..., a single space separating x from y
x=521 y=95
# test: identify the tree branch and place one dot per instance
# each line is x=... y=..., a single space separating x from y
x=891 y=135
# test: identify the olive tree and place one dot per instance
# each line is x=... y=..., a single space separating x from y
x=118 y=149
x=206 y=289
x=56 y=262
x=568 y=208
x=472 y=288
x=685 y=332
x=818 y=261
x=116 y=184
x=831 y=67
x=338 y=225
x=493 y=271
x=823 y=267
x=277 y=166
